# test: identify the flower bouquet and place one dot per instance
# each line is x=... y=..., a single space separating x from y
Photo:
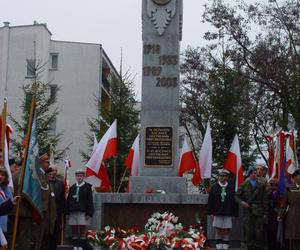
x=162 y=231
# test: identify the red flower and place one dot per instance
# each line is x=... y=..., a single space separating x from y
x=149 y=190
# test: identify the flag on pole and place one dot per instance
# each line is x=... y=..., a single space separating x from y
x=106 y=148
x=133 y=158
x=278 y=156
x=233 y=162
x=66 y=177
x=271 y=151
x=32 y=183
x=291 y=156
x=187 y=160
x=7 y=130
x=203 y=169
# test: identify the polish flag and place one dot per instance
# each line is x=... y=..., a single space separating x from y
x=103 y=175
x=106 y=148
x=233 y=162
x=66 y=178
x=187 y=160
x=291 y=157
x=278 y=155
x=132 y=160
x=7 y=135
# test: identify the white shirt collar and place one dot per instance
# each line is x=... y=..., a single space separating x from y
x=223 y=185
x=80 y=185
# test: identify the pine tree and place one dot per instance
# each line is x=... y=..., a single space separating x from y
x=46 y=115
x=123 y=107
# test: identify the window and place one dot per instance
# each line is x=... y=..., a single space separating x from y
x=54 y=61
x=31 y=67
x=53 y=90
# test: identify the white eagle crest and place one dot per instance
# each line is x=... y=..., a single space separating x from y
x=161 y=16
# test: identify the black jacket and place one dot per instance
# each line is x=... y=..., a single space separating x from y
x=85 y=203
x=215 y=205
x=6 y=207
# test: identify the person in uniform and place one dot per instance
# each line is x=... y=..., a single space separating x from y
x=46 y=228
x=253 y=197
x=274 y=200
x=80 y=209
x=222 y=206
x=58 y=188
x=290 y=211
x=261 y=172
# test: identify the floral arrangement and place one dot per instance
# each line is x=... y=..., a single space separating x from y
x=162 y=231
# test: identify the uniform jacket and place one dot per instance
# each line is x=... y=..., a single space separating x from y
x=291 y=205
x=58 y=188
x=215 y=205
x=84 y=204
x=256 y=197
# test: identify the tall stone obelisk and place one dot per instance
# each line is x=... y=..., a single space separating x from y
x=162 y=30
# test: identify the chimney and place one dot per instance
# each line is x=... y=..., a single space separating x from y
x=6 y=24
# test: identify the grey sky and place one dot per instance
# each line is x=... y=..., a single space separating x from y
x=113 y=23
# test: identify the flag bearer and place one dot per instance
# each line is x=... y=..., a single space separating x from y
x=80 y=209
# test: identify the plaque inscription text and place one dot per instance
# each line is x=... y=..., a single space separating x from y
x=158 y=146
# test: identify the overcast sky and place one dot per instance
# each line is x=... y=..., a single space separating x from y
x=115 y=24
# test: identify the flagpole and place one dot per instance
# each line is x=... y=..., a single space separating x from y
x=21 y=178
x=3 y=129
x=115 y=173
x=122 y=180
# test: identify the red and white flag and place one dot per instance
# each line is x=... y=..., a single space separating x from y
x=106 y=148
x=133 y=158
x=187 y=160
x=233 y=162
x=278 y=155
x=66 y=177
x=291 y=157
x=8 y=133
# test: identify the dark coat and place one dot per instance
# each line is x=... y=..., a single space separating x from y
x=291 y=205
x=215 y=205
x=6 y=206
x=256 y=197
x=84 y=204
x=58 y=188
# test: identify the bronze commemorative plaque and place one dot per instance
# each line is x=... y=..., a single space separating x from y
x=158 y=146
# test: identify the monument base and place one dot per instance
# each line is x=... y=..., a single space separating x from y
x=139 y=184
x=127 y=210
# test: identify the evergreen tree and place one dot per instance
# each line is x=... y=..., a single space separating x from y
x=46 y=114
x=123 y=108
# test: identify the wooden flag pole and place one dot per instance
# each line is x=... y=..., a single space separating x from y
x=3 y=130
x=122 y=180
x=21 y=178
x=115 y=173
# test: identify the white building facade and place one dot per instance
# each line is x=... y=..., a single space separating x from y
x=80 y=70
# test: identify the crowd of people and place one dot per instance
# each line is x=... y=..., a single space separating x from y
x=271 y=219
x=59 y=208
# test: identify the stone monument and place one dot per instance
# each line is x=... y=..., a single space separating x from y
x=162 y=28
x=162 y=22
